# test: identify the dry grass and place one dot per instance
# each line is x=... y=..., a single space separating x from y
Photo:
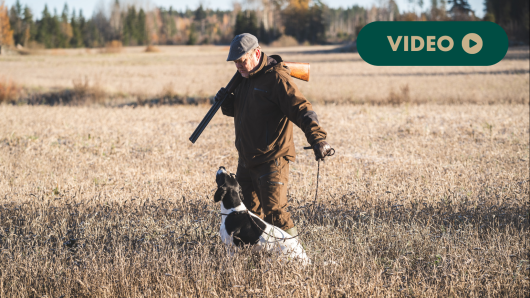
x=152 y=49
x=398 y=98
x=335 y=78
x=285 y=41
x=9 y=91
x=113 y=47
x=85 y=90
x=428 y=200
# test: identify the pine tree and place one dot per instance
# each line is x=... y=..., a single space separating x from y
x=200 y=14
x=55 y=30
x=129 y=27
x=15 y=21
x=141 y=29
x=65 y=33
x=192 y=38
x=82 y=28
x=77 y=40
x=246 y=22
x=29 y=26
x=512 y=15
x=461 y=10
x=315 y=28
x=101 y=30
x=44 y=26
x=303 y=22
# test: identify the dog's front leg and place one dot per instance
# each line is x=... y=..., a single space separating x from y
x=232 y=247
x=258 y=247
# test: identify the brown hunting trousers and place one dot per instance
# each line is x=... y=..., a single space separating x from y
x=264 y=190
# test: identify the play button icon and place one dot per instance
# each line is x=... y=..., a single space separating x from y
x=472 y=43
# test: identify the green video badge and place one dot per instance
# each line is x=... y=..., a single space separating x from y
x=432 y=43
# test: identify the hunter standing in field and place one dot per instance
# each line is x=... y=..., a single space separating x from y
x=264 y=106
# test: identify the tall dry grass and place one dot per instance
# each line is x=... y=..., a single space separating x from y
x=9 y=90
x=418 y=201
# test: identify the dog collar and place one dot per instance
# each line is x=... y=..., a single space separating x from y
x=237 y=212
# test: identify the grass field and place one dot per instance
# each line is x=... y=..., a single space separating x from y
x=335 y=77
x=426 y=196
x=424 y=200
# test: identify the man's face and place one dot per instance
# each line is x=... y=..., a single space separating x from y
x=248 y=62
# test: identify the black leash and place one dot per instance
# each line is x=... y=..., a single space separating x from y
x=318 y=176
x=330 y=153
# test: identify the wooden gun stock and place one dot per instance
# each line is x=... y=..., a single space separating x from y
x=298 y=70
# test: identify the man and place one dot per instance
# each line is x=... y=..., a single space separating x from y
x=264 y=106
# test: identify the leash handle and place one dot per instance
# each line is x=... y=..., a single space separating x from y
x=331 y=152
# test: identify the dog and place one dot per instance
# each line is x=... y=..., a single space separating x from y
x=241 y=227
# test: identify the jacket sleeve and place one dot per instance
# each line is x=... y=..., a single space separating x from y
x=228 y=106
x=299 y=111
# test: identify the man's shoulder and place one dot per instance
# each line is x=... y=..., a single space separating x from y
x=277 y=68
x=281 y=73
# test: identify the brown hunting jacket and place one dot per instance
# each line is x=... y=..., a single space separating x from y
x=264 y=108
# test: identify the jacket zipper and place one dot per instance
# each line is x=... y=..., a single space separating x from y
x=241 y=109
x=245 y=102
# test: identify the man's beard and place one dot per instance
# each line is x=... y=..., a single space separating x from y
x=244 y=74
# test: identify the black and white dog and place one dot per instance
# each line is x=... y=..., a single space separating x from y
x=240 y=227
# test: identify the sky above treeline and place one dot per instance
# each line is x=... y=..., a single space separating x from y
x=88 y=7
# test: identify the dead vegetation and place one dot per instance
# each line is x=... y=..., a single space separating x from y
x=87 y=91
x=113 y=47
x=285 y=41
x=9 y=91
x=152 y=49
x=397 y=98
x=336 y=78
x=423 y=201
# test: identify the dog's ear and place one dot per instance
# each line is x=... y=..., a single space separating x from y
x=219 y=194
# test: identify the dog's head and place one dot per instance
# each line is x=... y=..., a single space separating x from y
x=227 y=189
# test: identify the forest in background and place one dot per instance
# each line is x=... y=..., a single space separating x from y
x=276 y=22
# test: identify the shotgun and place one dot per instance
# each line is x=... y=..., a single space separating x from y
x=298 y=70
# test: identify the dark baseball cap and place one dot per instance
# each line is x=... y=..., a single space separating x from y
x=240 y=45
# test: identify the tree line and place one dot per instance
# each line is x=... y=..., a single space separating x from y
x=305 y=21
x=72 y=29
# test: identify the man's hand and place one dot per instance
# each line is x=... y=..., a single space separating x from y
x=221 y=94
x=322 y=149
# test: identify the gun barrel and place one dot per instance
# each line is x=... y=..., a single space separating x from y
x=231 y=87
x=205 y=121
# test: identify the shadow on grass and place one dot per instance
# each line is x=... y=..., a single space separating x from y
x=68 y=97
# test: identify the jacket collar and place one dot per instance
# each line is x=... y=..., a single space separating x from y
x=262 y=64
